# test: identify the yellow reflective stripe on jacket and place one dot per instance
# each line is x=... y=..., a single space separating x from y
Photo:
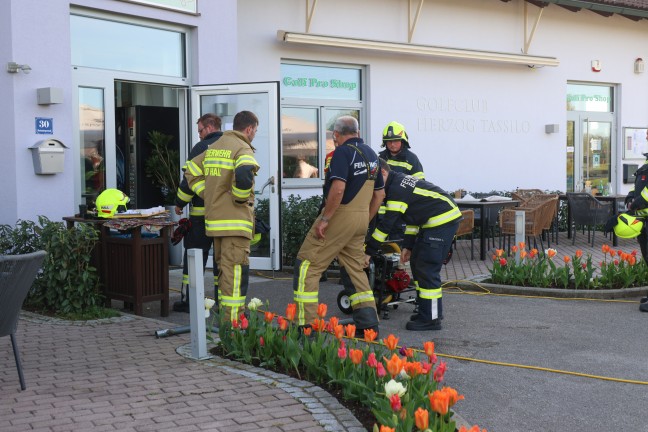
x=379 y=235
x=241 y=193
x=184 y=197
x=397 y=206
x=430 y=293
x=198 y=187
x=216 y=162
x=246 y=160
x=411 y=229
x=443 y=218
x=362 y=297
x=644 y=194
x=407 y=166
x=197 y=211
x=194 y=169
x=228 y=225
x=382 y=209
x=419 y=175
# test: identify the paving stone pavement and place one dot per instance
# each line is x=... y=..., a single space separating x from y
x=114 y=375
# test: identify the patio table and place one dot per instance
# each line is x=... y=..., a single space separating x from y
x=484 y=216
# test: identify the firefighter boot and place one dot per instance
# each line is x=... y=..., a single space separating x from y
x=421 y=325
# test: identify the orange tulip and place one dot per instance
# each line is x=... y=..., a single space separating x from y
x=632 y=260
x=307 y=331
x=499 y=252
x=439 y=402
x=395 y=365
x=523 y=254
x=370 y=335
x=413 y=369
x=453 y=396
x=283 y=324
x=291 y=310
x=551 y=253
x=579 y=253
x=514 y=249
x=533 y=253
x=386 y=429
x=338 y=331
x=475 y=428
x=605 y=248
x=318 y=325
x=422 y=418
x=566 y=259
x=350 y=330
x=333 y=321
x=522 y=245
x=428 y=348
x=356 y=356
x=321 y=310
x=268 y=317
x=390 y=342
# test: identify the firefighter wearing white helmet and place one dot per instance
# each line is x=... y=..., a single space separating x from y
x=397 y=152
x=111 y=201
x=637 y=201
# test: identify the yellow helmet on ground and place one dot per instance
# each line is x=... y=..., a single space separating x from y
x=110 y=202
x=628 y=226
x=395 y=131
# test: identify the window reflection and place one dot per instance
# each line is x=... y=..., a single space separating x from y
x=299 y=132
x=92 y=134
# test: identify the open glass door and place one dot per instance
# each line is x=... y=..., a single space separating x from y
x=263 y=100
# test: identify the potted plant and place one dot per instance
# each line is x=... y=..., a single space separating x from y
x=163 y=165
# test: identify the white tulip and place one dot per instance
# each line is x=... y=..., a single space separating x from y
x=393 y=387
x=254 y=304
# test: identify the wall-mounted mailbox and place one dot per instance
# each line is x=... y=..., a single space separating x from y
x=48 y=156
x=629 y=173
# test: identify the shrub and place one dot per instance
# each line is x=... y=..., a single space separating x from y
x=68 y=283
x=298 y=214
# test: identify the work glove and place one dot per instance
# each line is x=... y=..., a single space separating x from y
x=610 y=224
x=629 y=199
x=184 y=225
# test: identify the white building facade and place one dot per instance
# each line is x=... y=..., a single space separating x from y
x=494 y=95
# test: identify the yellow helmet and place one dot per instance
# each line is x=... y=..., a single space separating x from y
x=628 y=226
x=395 y=131
x=110 y=202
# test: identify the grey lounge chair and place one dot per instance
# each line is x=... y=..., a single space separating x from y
x=17 y=273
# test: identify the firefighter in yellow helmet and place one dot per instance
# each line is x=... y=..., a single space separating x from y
x=637 y=203
x=223 y=175
x=397 y=151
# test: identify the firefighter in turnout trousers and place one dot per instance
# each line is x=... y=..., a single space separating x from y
x=224 y=177
x=209 y=130
x=432 y=218
x=637 y=201
x=354 y=191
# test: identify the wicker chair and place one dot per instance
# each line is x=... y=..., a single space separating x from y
x=551 y=220
x=587 y=211
x=466 y=227
x=538 y=214
x=524 y=195
x=17 y=273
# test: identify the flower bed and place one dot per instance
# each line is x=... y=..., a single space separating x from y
x=401 y=385
x=529 y=268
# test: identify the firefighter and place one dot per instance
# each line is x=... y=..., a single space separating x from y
x=223 y=176
x=209 y=130
x=397 y=152
x=354 y=191
x=432 y=218
x=637 y=202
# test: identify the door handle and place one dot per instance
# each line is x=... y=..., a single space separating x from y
x=270 y=181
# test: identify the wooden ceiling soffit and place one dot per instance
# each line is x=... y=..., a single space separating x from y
x=602 y=13
x=632 y=17
x=569 y=8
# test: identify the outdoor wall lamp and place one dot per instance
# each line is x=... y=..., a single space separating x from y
x=13 y=67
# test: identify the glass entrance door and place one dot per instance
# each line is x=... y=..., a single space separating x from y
x=262 y=99
x=589 y=151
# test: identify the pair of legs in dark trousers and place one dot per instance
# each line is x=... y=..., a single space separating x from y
x=429 y=252
x=197 y=239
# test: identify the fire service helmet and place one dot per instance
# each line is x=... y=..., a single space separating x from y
x=395 y=131
x=628 y=226
x=110 y=202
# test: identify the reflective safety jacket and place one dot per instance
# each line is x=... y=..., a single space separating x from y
x=224 y=177
x=405 y=162
x=639 y=194
x=185 y=195
x=417 y=203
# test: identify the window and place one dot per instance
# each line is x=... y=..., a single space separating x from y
x=313 y=97
x=590 y=98
x=92 y=134
x=104 y=44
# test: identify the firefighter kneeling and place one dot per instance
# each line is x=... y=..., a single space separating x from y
x=628 y=226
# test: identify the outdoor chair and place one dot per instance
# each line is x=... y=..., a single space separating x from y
x=17 y=273
x=536 y=216
x=551 y=219
x=523 y=195
x=466 y=227
x=587 y=211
